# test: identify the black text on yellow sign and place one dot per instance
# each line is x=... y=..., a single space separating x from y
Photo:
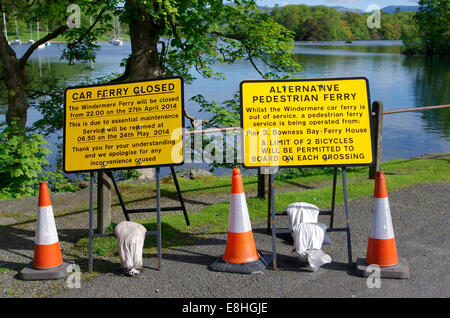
x=317 y=122
x=126 y=125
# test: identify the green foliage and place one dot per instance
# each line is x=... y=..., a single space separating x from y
x=127 y=174
x=22 y=156
x=58 y=181
x=321 y=23
x=433 y=21
x=200 y=34
x=292 y=173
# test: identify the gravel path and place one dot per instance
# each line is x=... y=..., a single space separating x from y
x=420 y=218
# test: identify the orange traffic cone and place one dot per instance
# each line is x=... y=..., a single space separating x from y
x=240 y=255
x=240 y=243
x=382 y=249
x=47 y=261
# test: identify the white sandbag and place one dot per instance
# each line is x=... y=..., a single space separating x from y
x=307 y=236
x=131 y=237
x=301 y=212
x=308 y=240
x=326 y=237
x=317 y=258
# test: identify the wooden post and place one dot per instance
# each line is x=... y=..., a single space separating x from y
x=261 y=184
x=377 y=119
x=103 y=203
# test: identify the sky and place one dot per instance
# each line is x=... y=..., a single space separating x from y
x=360 y=4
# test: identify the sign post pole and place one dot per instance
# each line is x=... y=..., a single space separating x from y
x=91 y=221
x=347 y=216
x=158 y=215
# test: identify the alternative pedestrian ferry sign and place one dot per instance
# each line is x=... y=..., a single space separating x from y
x=314 y=122
x=126 y=125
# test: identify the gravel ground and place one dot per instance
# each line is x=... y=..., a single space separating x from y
x=420 y=218
x=72 y=222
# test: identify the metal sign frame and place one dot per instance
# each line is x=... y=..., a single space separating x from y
x=109 y=171
x=128 y=167
x=271 y=221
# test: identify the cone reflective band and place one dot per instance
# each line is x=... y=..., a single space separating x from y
x=47 y=252
x=381 y=249
x=240 y=243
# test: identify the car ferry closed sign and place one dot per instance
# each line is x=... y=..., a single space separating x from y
x=126 y=125
x=317 y=122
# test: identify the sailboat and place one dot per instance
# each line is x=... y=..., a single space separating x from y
x=114 y=41
x=16 y=40
x=4 y=24
x=43 y=45
x=31 y=41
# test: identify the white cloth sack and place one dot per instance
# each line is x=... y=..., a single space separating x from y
x=301 y=212
x=131 y=237
x=308 y=240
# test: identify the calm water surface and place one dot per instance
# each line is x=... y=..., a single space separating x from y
x=397 y=80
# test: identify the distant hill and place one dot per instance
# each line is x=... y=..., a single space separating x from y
x=388 y=9
x=345 y=9
x=391 y=9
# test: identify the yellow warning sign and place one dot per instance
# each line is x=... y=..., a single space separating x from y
x=126 y=125
x=320 y=122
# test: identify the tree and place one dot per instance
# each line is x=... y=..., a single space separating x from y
x=433 y=20
x=168 y=37
x=14 y=69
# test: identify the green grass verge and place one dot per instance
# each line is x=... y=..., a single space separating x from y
x=214 y=218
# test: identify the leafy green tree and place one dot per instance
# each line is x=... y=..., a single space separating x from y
x=14 y=72
x=433 y=20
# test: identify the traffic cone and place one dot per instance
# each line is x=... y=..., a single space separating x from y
x=47 y=261
x=240 y=254
x=240 y=243
x=382 y=249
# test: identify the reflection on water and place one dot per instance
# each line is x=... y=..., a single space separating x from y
x=397 y=80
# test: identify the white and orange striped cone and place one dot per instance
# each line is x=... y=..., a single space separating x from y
x=240 y=255
x=47 y=260
x=382 y=249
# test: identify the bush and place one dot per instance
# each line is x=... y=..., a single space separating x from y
x=22 y=156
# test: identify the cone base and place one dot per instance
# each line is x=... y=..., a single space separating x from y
x=399 y=271
x=31 y=273
x=255 y=267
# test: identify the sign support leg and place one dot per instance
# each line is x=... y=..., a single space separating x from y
x=347 y=216
x=158 y=216
x=91 y=221
x=177 y=185
x=333 y=198
x=274 y=228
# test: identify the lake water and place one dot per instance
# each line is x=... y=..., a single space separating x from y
x=397 y=80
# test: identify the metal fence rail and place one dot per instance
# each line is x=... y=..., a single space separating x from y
x=377 y=116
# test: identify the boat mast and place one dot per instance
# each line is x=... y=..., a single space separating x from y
x=4 y=25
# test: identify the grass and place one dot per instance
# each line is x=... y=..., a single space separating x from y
x=213 y=219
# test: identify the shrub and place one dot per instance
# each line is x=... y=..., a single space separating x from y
x=22 y=156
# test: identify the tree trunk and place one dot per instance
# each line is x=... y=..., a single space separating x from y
x=14 y=77
x=144 y=61
x=144 y=37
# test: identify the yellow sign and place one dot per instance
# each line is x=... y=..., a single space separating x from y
x=319 y=122
x=126 y=125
